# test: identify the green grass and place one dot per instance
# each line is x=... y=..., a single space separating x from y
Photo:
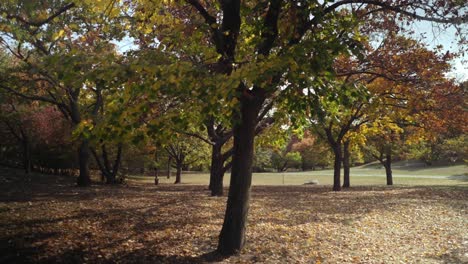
x=363 y=175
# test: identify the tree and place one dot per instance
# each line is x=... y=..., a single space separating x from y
x=185 y=151
x=35 y=36
x=253 y=48
x=381 y=140
x=409 y=84
x=16 y=120
x=335 y=118
x=284 y=157
x=314 y=152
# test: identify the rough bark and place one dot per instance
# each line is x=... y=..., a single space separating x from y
x=346 y=167
x=232 y=236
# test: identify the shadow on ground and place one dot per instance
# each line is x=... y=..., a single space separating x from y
x=49 y=220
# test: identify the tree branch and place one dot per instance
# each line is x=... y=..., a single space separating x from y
x=45 y=21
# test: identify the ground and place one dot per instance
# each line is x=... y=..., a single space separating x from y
x=49 y=220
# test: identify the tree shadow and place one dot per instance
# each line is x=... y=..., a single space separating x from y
x=143 y=256
x=129 y=212
x=20 y=248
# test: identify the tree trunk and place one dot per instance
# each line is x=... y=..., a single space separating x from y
x=178 y=173
x=111 y=178
x=116 y=166
x=156 y=179
x=84 y=178
x=218 y=183
x=337 y=167
x=346 y=182
x=388 y=166
x=232 y=236
x=216 y=171
x=109 y=173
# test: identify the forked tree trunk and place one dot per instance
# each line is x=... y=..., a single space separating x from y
x=337 y=167
x=232 y=236
x=346 y=168
x=84 y=178
x=109 y=172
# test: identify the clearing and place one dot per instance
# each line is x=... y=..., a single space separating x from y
x=48 y=220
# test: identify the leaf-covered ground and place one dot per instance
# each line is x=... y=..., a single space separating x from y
x=48 y=220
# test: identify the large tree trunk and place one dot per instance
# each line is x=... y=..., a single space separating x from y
x=84 y=178
x=388 y=166
x=216 y=171
x=337 y=167
x=178 y=173
x=232 y=236
x=346 y=182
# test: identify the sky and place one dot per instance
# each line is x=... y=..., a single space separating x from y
x=448 y=39
x=433 y=36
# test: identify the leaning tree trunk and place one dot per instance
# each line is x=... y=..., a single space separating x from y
x=84 y=178
x=346 y=182
x=337 y=167
x=388 y=167
x=232 y=236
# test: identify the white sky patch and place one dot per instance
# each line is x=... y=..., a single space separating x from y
x=433 y=35
x=126 y=44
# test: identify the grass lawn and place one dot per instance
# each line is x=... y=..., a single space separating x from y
x=363 y=175
x=48 y=220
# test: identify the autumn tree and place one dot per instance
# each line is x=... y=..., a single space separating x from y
x=408 y=85
x=254 y=48
x=185 y=151
x=314 y=152
x=42 y=34
x=15 y=119
x=243 y=53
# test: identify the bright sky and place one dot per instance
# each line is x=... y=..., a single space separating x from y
x=433 y=37
x=448 y=39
